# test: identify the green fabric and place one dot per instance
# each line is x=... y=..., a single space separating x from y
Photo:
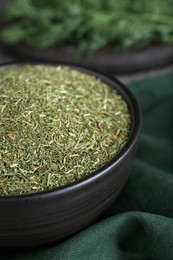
x=139 y=225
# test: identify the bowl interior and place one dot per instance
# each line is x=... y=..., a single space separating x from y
x=134 y=111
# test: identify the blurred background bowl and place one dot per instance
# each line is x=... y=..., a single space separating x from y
x=37 y=219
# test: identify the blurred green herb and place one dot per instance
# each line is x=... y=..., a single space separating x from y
x=57 y=125
x=89 y=24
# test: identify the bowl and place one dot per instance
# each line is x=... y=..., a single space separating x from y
x=40 y=218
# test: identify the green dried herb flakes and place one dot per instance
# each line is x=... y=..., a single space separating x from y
x=56 y=126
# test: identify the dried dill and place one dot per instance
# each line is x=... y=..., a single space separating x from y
x=56 y=125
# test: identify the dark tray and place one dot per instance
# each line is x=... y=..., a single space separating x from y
x=106 y=60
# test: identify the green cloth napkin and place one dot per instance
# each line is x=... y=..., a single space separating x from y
x=139 y=224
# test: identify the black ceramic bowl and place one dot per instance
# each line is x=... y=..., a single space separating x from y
x=41 y=218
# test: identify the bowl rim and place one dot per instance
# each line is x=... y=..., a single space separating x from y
x=136 y=124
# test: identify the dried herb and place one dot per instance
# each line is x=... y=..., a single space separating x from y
x=56 y=125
